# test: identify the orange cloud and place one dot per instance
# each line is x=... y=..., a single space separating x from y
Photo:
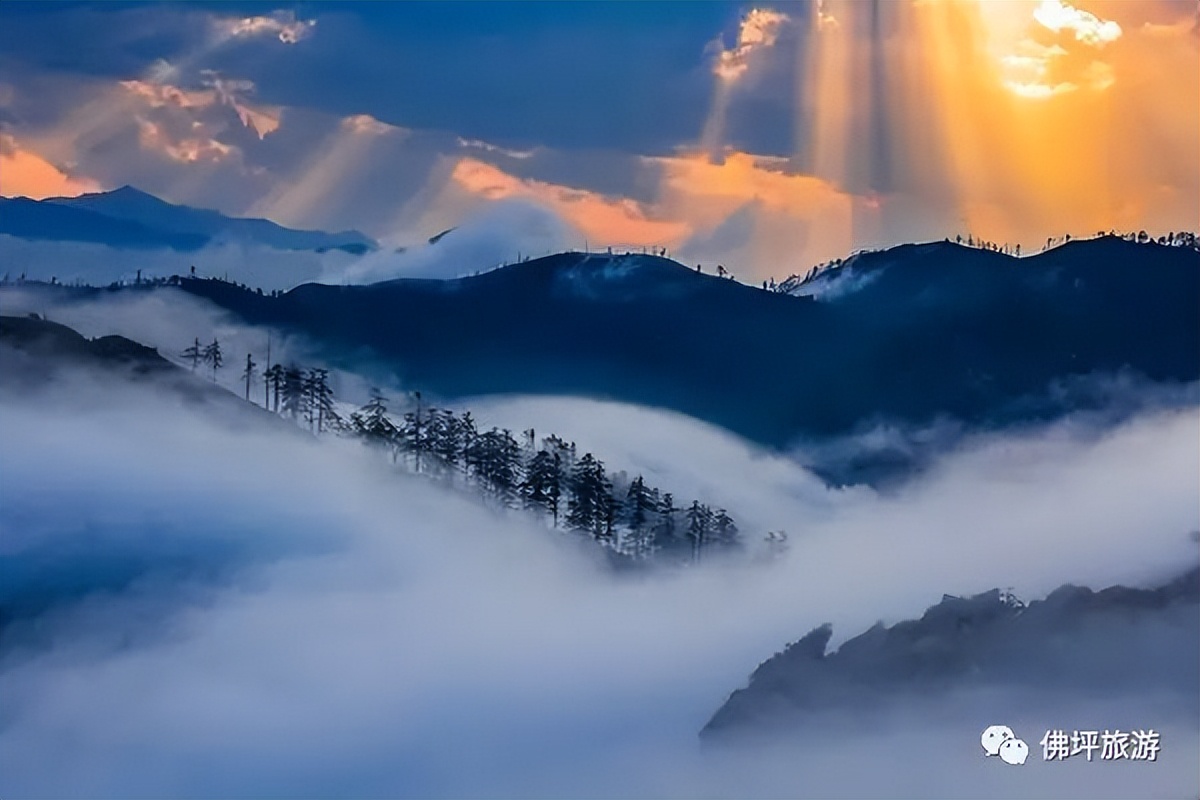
x=188 y=150
x=603 y=219
x=26 y=174
x=792 y=220
x=262 y=120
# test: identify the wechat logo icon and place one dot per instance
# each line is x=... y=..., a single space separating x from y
x=999 y=740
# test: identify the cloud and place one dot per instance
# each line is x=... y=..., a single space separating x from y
x=368 y=125
x=26 y=174
x=491 y=148
x=152 y=136
x=758 y=30
x=1056 y=15
x=262 y=120
x=217 y=91
x=282 y=24
x=500 y=232
x=616 y=221
x=300 y=619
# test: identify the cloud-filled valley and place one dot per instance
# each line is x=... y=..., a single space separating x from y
x=253 y=611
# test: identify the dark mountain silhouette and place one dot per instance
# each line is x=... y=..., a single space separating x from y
x=938 y=331
x=1119 y=640
x=39 y=219
x=50 y=340
x=34 y=350
x=128 y=217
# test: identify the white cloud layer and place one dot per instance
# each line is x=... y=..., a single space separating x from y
x=303 y=621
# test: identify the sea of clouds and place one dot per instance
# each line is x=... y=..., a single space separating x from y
x=230 y=611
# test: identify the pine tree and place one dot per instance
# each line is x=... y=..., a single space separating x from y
x=194 y=353
x=371 y=422
x=638 y=504
x=413 y=435
x=248 y=373
x=638 y=508
x=543 y=482
x=591 y=507
x=468 y=443
x=699 y=524
x=664 y=525
x=444 y=432
x=273 y=377
x=498 y=464
x=319 y=405
x=266 y=379
x=213 y=357
x=294 y=397
x=724 y=528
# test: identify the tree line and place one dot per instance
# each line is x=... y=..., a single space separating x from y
x=546 y=477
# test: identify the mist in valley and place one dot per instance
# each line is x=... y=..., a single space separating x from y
x=215 y=608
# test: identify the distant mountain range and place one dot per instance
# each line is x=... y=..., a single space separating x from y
x=130 y=218
x=1103 y=644
x=915 y=334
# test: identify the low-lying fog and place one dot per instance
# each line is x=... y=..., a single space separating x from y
x=249 y=613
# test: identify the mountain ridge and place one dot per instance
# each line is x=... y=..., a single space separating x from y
x=941 y=334
x=987 y=639
x=130 y=217
x=964 y=339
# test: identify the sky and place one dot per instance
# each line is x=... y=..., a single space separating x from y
x=767 y=137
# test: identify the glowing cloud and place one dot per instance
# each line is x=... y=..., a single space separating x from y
x=26 y=174
x=1056 y=16
x=282 y=24
x=261 y=119
x=825 y=19
x=604 y=220
x=366 y=125
x=476 y=144
x=759 y=29
x=749 y=211
x=188 y=150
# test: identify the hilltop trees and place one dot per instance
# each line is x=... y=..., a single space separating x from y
x=495 y=458
x=544 y=478
x=318 y=401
